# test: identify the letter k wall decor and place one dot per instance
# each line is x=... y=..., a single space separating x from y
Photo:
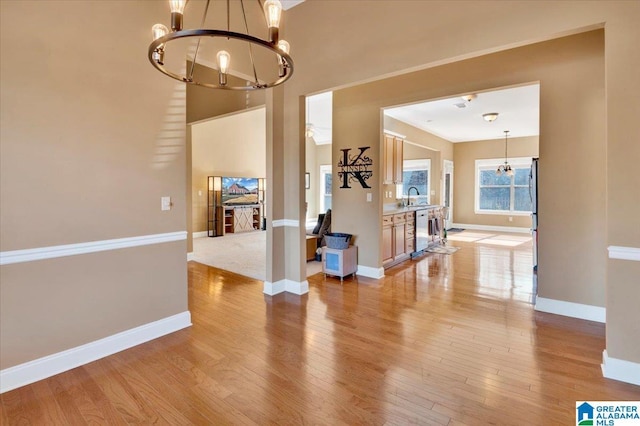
x=352 y=168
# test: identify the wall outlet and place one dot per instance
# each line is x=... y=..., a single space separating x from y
x=165 y=203
x=369 y=197
x=510 y=218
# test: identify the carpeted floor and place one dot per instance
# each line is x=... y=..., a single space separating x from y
x=242 y=253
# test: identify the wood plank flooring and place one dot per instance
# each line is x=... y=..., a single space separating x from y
x=443 y=340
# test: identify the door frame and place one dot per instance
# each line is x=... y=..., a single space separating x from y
x=447 y=168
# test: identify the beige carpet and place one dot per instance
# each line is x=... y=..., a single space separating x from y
x=243 y=253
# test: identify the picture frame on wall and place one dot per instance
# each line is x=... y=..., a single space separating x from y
x=307 y=180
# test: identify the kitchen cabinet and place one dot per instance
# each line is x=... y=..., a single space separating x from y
x=392 y=159
x=398 y=237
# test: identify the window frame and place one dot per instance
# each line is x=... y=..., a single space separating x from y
x=324 y=169
x=492 y=164
x=416 y=164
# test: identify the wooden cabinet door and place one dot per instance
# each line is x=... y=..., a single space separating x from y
x=388 y=160
x=387 y=244
x=399 y=246
x=397 y=160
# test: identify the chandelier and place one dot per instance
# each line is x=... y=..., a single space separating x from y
x=261 y=62
x=506 y=168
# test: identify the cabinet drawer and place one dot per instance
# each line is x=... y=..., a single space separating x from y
x=399 y=218
x=410 y=216
x=410 y=233
x=387 y=220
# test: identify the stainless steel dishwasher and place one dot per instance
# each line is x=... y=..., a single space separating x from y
x=422 y=229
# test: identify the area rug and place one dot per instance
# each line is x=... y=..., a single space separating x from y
x=442 y=249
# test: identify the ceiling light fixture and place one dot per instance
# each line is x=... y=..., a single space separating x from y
x=490 y=116
x=273 y=72
x=506 y=168
x=469 y=97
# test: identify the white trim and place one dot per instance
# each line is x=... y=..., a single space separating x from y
x=271 y=289
x=285 y=222
x=369 y=272
x=492 y=228
x=570 y=309
x=39 y=369
x=190 y=256
x=41 y=253
x=200 y=234
x=620 y=369
x=624 y=253
x=296 y=287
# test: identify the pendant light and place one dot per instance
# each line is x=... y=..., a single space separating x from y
x=506 y=168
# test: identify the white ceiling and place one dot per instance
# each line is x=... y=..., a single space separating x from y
x=319 y=117
x=453 y=119
x=457 y=120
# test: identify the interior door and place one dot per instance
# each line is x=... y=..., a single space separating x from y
x=447 y=192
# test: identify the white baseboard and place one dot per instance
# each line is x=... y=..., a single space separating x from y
x=619 y=369
x=290 y=286
x=369 y=272
x=492 y=228
x=624 y=253
x=39 y=369
x=271 y=289
x=295 y=287
x=190 y=256
x=200 y=234
x=51 y=252
x=570 y=309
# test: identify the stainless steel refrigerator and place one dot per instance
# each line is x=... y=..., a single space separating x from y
x=533 y=192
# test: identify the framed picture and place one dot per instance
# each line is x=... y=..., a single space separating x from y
x=307 y=180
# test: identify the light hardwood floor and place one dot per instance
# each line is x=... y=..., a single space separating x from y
x=443 y=339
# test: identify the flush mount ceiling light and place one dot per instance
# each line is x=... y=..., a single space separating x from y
x=506 y=168
x=280 y=67
x=490 y=116
x=469 y=97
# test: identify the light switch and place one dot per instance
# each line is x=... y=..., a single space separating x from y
x=369 y=198
x=165 y=203
x=199 y=193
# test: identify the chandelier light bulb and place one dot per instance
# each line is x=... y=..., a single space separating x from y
x=159 y=31
x=224 y=59
x=177 y=6
x=177 y=10
x=284 y=46
x=273 y=12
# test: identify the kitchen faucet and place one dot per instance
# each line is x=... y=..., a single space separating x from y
x=409 y=192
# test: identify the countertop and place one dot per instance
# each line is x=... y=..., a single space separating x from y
x=396 y=209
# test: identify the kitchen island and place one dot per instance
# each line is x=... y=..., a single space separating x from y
x=408 y=231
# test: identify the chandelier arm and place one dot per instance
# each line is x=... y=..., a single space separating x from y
x=246 y=27
x=195 y=55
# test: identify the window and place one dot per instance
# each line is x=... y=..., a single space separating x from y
x=325 y=188
x=415 y=173
x=502 y=194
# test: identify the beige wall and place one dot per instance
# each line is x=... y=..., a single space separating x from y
x=91 y=138
x=465 y=155
x=234 y=146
